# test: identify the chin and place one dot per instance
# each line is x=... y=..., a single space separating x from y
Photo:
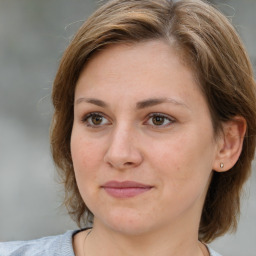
x=127 y=222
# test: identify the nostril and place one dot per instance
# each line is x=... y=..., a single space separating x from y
x=129 y=163
x=122 y=159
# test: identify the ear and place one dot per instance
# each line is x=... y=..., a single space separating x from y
x=229 y=144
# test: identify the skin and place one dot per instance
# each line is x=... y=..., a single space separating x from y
x=175 y=156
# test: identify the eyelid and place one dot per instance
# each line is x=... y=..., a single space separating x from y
x=85 y=118
x=168 y=117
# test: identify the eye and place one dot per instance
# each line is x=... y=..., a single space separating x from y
x=95 y=120
x=161 y=120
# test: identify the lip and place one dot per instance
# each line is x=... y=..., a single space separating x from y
x=125 y=189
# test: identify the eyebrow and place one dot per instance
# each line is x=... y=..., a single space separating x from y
x=156 y=101
x=97 y=102
x=139 y=105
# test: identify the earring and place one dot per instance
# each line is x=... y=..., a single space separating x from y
x=221 y=165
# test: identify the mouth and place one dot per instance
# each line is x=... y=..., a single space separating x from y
x=125 y=189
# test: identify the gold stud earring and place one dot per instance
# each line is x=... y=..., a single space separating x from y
x=221 y=165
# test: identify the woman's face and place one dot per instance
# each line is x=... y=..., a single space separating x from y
x=142 y=143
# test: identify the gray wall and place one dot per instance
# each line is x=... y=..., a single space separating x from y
x=243 y=243
x=33 y=35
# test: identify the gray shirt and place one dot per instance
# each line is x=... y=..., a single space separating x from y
x=60 y=245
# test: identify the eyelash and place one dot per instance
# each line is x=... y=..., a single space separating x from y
x=149 y=117
x=165 y=117
x=88 y=116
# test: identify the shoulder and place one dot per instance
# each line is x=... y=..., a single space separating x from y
x=213 y=253
x=60 y=245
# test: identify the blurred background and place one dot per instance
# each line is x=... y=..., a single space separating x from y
x=33 y=36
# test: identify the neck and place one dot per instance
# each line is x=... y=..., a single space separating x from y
x=164 y=242
x=176 y=237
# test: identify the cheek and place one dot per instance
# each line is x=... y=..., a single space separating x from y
x=186 y=160
x=85 y=152
x=86 y=163
x=184 y=174
x=86 y=160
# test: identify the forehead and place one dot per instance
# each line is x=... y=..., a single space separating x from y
x=137 y=59
x=152 y=62
x=123 y=75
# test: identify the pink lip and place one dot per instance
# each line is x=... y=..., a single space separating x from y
x=125 y=189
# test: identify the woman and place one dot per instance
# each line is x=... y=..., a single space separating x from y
x=153 y=131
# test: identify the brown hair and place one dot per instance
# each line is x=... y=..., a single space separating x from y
x=210 y=46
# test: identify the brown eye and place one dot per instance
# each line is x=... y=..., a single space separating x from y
x=158 y=120
x=96 y=119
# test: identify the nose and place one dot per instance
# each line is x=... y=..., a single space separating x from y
x=123 y=152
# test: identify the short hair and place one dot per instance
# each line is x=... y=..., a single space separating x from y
x=207 y=42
